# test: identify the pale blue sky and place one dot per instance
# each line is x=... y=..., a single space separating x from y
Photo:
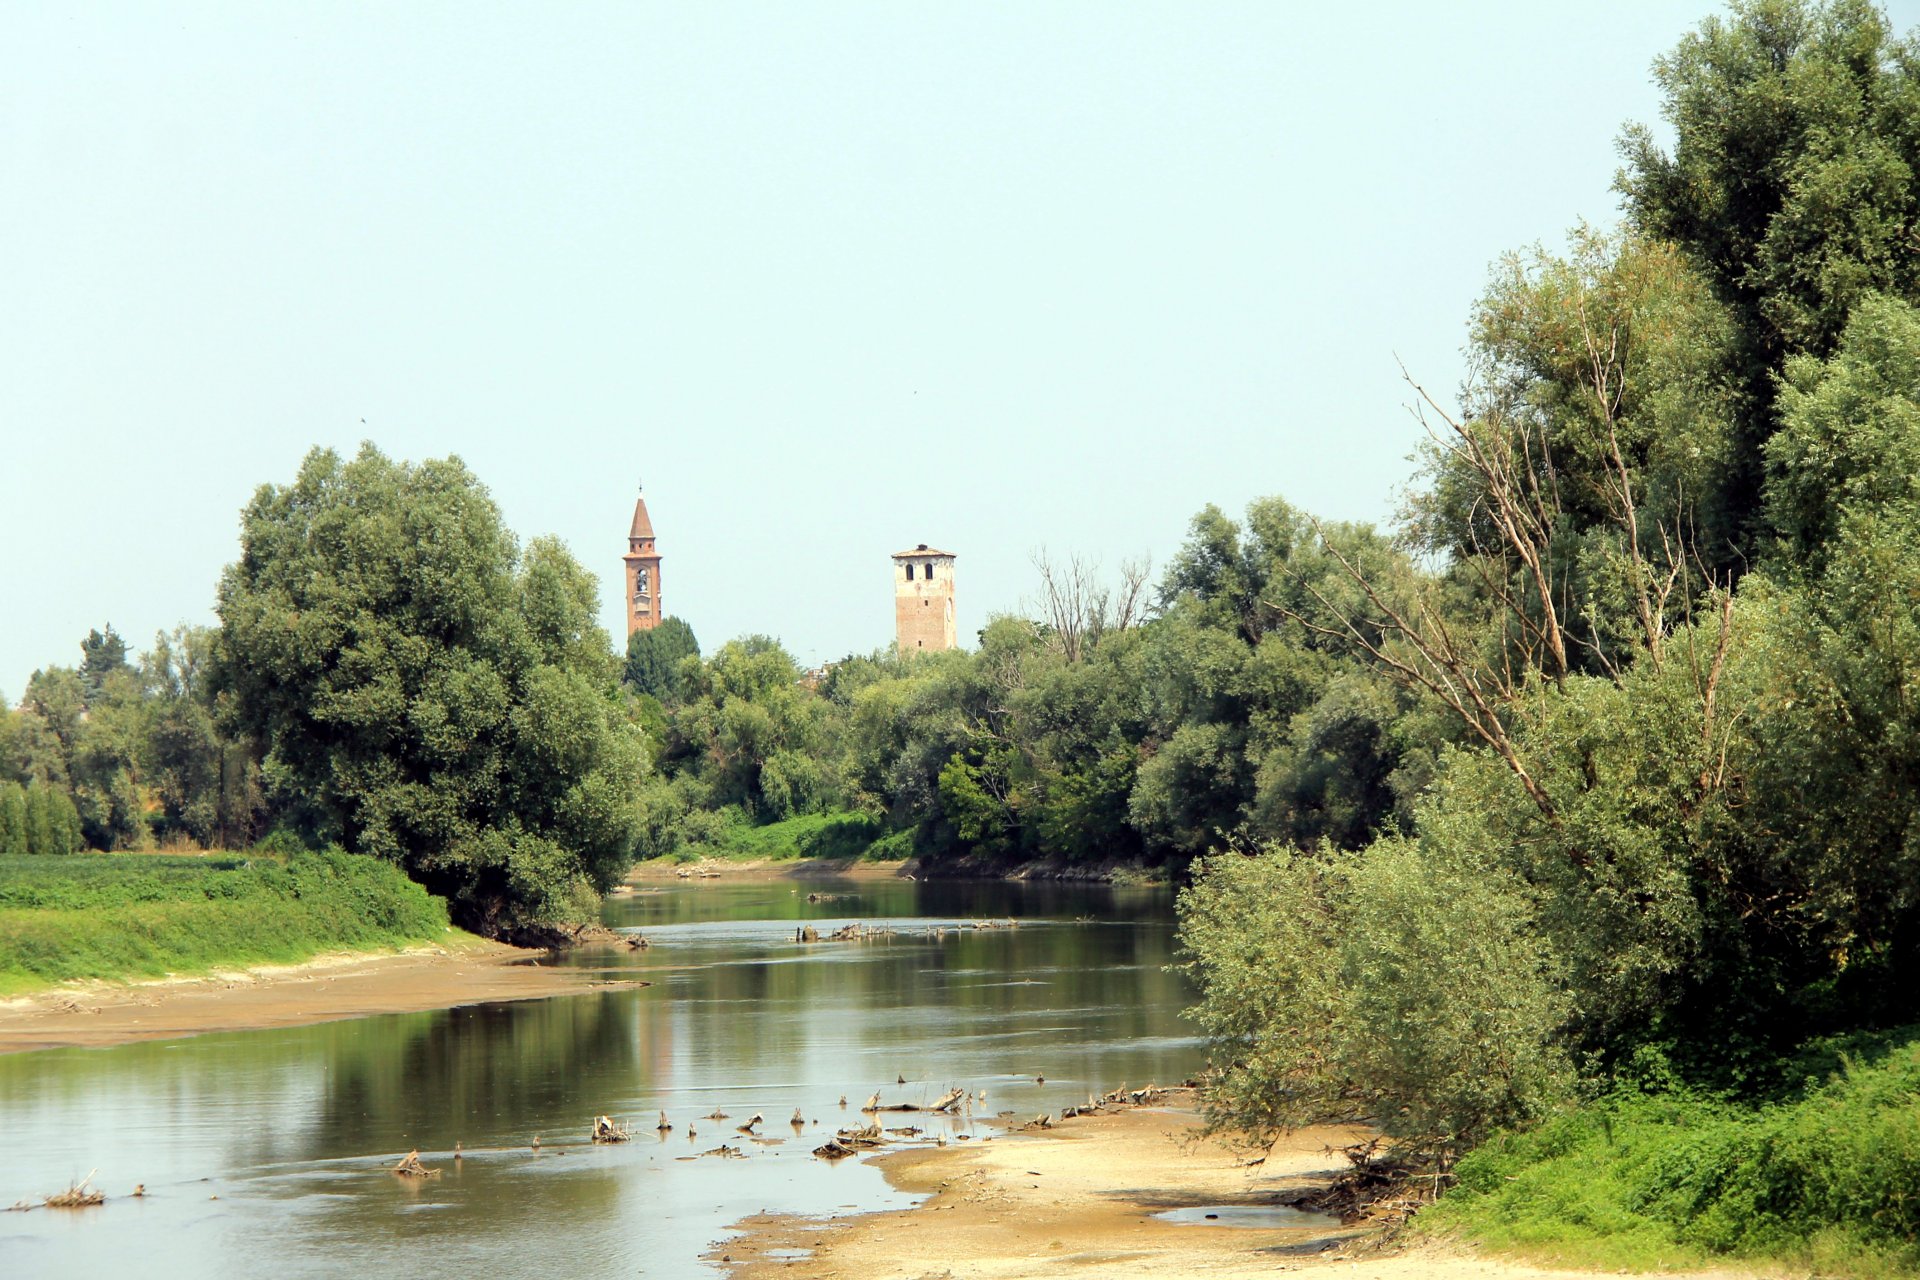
x=833 y=278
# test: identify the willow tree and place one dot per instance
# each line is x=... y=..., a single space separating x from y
x=427 y=693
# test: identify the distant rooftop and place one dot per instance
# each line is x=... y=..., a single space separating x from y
x=923 y=550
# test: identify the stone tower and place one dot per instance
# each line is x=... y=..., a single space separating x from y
x=923 y=599
x=645 y=607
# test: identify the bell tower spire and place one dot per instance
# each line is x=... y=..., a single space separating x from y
x=644 y=600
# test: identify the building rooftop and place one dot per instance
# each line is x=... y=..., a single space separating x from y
x=923 y=550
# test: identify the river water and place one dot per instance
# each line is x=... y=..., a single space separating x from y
x=264 y=1153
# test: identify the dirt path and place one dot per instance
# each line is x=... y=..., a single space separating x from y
x=329 y=988
x=1078 y=1201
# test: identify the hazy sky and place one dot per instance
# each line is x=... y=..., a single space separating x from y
x=832 y=278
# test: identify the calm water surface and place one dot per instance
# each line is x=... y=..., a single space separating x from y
x=263 y=1152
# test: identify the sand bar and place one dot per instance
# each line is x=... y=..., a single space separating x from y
x=325 y=989
x=1080 y=1200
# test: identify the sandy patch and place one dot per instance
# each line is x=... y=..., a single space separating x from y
x=720 y=870
x=1080 y=1201
x=325 y=989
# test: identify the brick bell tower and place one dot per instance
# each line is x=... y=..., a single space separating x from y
x=923 y=600
x=644 y=602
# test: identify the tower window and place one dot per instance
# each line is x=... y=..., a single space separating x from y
x=929 y=573
x=909 y=573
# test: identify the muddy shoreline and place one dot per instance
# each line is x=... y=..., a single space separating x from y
x=1083 y=1198
x=326 y=989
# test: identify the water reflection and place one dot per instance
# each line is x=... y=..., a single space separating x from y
x=269 y=1145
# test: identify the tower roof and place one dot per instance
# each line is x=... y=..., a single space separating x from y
x=923 y=550
x=642 y=526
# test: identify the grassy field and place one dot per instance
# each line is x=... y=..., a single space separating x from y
x=1824 y=1178
x=120 y=917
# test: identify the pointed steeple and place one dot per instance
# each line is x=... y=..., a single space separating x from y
x=645 y=602
x=642 y=524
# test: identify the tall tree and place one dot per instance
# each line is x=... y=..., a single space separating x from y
x=654 y=657
x=425 y=693
x=1792 y=185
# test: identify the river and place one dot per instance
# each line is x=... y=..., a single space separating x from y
x=264 y=1153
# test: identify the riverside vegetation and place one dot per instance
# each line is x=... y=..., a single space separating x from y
x=1565 y=829
x=120 y=916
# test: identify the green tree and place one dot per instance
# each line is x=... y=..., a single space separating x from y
x=102 y=655
x=1791 y=185
x=655 y=658
x=13 y=818
x=425 y=693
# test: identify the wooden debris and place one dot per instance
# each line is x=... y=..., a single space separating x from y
x=605 y=1130
x=78 y=1196
x=1042 y=1121
x=637 y=942
x=873 y=1103
x=951 y=1101
x=718 y=1114
x=799 y=1121
x=725 y=1152
x=410 y=1167
x=749 y=1125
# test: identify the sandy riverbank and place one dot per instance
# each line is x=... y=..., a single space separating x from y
x=1079 y=1201
x=325 y=989
x=666 y=871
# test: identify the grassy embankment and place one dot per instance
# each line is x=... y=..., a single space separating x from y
x=1824 y=1176
x=123 y=917
x=843 y=834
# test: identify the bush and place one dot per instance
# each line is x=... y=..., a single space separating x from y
x=1389 y=985
x=1830 y=1176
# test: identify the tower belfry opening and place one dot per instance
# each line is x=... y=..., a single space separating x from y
x=645 y=604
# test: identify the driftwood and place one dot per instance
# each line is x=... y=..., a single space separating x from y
x=718 y=1114
x=855 y=932
x=952 y=1100
x=834 y=1149
x=868 y=1135
x=725 y=1152
x=1041 y=1121
x=749 y=1125
x=78 y=1196
x=605 y=1130
x=873 y=1103
x=410 y=1167
x=637 y=942
x=798 y=1121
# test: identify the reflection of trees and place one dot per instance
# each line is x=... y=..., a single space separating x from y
x=788 y=1024
x=476 y=1074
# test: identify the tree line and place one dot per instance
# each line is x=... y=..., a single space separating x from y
x=1602 y=754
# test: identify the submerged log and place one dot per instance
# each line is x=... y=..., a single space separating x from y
x=410 y=1167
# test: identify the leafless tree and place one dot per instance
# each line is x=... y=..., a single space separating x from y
x=1517 y=513
x=1080 y=607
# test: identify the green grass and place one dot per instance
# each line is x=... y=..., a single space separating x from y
x=1825 y=1179
x=122 y=917
x=841 y=834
